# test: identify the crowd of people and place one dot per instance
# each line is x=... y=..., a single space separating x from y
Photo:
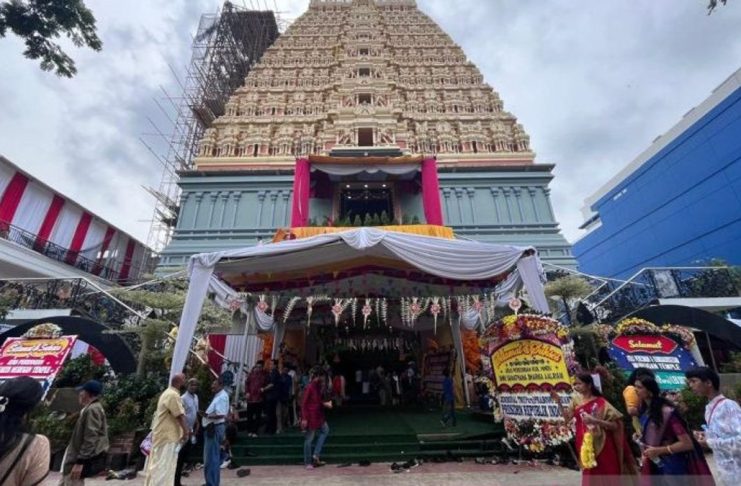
x=664 y=451
x=655 y=447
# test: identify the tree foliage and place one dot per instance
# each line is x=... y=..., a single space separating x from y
x=714 y=3
x=40 y=22
x=163 y=306
x=570 y=289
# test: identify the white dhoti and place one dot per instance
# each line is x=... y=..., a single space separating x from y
x=161 y=464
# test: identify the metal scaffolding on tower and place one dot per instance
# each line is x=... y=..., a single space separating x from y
x=226 y=46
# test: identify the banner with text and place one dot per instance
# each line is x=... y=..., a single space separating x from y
x=40 y=359
x=661 y=354
x=525 y=371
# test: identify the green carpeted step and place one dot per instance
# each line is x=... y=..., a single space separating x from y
x=378 y=435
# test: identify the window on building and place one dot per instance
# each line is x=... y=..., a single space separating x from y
x=364 y=98
x=365 y=137
x=370 y=199
x=364 y=72
x=364 y=51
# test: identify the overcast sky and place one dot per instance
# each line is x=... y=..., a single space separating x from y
x=592 y=82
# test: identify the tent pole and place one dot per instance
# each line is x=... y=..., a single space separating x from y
x=279 y=333
x=458 y=342
x=248 y=325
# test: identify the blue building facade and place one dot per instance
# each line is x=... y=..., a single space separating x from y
x=678 y=203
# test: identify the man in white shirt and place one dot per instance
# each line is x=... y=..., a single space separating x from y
x=190 y=404
x=214 y=425
x=723 y=424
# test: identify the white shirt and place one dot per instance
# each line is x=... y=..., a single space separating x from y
x=190 y=404
x=219 y=406
x=723 y=435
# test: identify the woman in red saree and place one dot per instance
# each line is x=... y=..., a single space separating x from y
x=613 y=463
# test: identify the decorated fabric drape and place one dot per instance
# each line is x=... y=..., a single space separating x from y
x=79 y=238
x=217 y=343
x=32 y=208
x=431 y=193
x=301 y=183
x=11 y=199
x=49 y=221
x=128 y=258
x=459 y=261
x=104 y=247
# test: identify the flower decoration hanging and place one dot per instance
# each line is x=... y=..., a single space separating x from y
x=289 y=308
x=354 y=309
x=234 y=304
x=338 y=308
x=384 y=311
x=435 y=309
x=367 y=310
x=411 y=309
x=262 y=304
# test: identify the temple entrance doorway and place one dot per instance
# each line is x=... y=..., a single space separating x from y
x=372 y=362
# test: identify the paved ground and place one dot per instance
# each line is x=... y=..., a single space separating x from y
x=447 y=474
x=430 y=474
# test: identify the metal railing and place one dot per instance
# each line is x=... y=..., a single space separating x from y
x=613 y=300
x=81 y=295
x=104 y=268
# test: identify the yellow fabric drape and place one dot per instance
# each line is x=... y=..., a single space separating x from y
x=417 y=229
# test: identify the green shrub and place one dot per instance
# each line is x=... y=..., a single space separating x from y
x=56 y=427
x=692 y=408
x=77 y=371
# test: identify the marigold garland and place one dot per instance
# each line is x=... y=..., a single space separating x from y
x=586 y=455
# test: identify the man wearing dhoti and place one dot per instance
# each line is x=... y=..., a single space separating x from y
x=169 y=432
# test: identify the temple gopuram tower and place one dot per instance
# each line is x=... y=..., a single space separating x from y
x=353 y=99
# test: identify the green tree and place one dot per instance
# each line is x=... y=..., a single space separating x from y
x=163 y=306
x=714 y=3
x=569 y=290
x=39 y=22
x=385 y=221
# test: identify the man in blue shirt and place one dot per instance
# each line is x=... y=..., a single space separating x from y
x=213 y=423
x=448 y=400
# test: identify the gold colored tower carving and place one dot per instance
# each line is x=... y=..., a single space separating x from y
x=363 y=73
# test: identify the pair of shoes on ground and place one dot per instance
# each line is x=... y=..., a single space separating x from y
x=405 y=466
x=316 y=462
x=252 y=435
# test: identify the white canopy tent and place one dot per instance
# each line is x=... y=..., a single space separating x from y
x=359 y=262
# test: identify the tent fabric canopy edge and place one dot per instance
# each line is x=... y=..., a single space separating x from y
x=460 y=260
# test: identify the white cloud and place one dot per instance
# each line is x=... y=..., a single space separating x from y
x=593 y=83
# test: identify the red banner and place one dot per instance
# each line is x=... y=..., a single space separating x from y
x=645 y=344
x=38 y=358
